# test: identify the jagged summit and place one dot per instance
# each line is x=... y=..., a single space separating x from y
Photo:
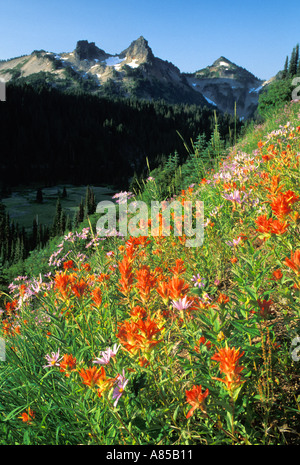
x=138 y=50
x=222 y=61
x=89 y=51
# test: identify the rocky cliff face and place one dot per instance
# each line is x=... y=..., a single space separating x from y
x=137 y=72
x=88 y=51
x=138 y=51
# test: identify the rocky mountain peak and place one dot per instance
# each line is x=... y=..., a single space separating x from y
x=89 y=51
x=222 y=61
x=138 y=50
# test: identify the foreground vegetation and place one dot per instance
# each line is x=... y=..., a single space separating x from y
x=143 y=340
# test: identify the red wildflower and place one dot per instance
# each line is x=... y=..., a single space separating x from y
x=203 y=341
x=294 y=262
x=196 y=398
x=277 y=274
x=179 y=268
x=126 y=281
x=163 y=291
x=10 y=307
x=138 y=312
x=68 y=265
x=264 y=306
x=92 y=376
x=276 y=227
x=263 y=223
x=223 y=299
x=178 y=288
x=229 y=365
x=79 y=288
x=27 y=417
x=62 y=283
x=139 y=336
x=281 y=205
x=68 y=364
x=145 y=282
x=97 y=296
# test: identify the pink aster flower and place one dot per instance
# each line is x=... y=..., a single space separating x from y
x=107 y=355
x=199 y=282
x=52 y=359
x=182 y=304
x=119 y=388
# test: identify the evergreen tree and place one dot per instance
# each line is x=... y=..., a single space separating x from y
x=68 y=224
x=293 y=62
x=64 y=193
x=80 y=214
x=56 y=227
x=90 y=202
x=297 y=58
x=286 y=68
x=39 y=196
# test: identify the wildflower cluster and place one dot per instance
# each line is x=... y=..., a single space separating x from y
x=142 y=340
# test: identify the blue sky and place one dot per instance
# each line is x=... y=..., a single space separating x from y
x=257 y=35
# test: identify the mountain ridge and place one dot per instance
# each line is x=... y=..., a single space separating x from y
x=137 y=72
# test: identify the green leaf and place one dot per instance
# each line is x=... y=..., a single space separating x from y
x=243 y=328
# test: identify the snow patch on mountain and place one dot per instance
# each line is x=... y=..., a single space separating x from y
x=209 y=101
x=133 y=63
x=223 y=63
x=114 y=61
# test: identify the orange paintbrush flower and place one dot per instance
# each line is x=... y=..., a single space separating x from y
x=163 y=291
x=92 y=376
x=68 y=364
x=229 y=365
x=196 y=398
x=27 y=417
x=294 y=262
x=97 y=296
x=276 y=227
x=223 y=299
x=79 y=288
x=62 y=282
x=274 y=186
x=178 y=288
x=138 y=312
x=139 y=336
x=203 y=341
x=68 y=265
x=179 y=268
x=281 y=205
x=145 y=282
x=126 y=280
x=263 y=223
x=277 y=274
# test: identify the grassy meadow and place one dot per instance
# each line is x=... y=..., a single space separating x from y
x=143 y=340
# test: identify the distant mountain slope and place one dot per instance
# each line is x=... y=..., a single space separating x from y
x=224 y=83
